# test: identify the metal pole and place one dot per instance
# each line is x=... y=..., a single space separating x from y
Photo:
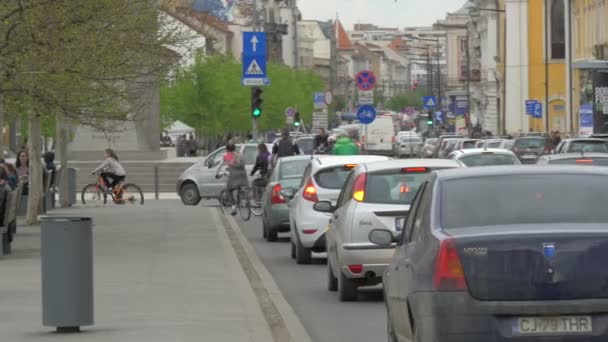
x=546 y=67
x=429 y=73
x=256 y=28
x=569 y=65
x=468 y=83
x=440 y=107
x=156 y=182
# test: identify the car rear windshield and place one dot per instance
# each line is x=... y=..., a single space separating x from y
x=494 y=144
x=332 y=178
x=523 y=199
x=588 y=146
x=530 y=143
x=469 y=144
x=306 y=145
x=488 y=159
x=394 y=187
x=580 y=161
x=293 y=169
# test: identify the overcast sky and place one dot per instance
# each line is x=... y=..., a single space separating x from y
x=391 y=13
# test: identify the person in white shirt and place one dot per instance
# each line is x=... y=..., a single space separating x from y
x=112 y=172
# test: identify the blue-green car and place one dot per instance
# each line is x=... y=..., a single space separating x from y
x=287 y=174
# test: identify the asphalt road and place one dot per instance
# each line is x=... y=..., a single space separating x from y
x=305 y=287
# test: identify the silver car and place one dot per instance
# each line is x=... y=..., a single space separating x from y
x=374 y=195
x=408 y=145
x=428 y=148
x=199 y=181
x=484 y=157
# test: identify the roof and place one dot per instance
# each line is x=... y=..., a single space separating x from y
x=575 y=155
x=473 y=151
x=178 y=126
x=400 y=163
x=294 y=158
x=490 y=171
x=343 y=41
x=330 y=161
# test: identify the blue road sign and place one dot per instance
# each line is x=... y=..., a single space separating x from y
x=439 y=117
x=365 y=80
x=429 y=102
x=538 y=110
x=254 y=59
x=366 y=114
x=530 y=105
x=319 y=101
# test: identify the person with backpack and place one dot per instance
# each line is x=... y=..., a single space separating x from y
x=284 y=147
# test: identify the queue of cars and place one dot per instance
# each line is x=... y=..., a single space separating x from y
x=469 y=247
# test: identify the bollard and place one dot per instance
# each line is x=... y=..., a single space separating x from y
x=156 y=182
x=67 y=272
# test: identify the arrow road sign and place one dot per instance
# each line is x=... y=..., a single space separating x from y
x=254 y=43
x=429 y=102
x=254 y=59
x=366 y=114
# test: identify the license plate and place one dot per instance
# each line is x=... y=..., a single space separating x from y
x=399 y=223
x=553 y=325
x=529 y=156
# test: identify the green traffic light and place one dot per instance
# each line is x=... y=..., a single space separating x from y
x=297 y=123
x=257 y=112
x=429 y=122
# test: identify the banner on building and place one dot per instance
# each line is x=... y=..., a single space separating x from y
x=586 y=119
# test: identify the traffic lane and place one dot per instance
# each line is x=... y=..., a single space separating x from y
x=305 y=287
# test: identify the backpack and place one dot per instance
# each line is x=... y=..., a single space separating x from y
x=285 y=148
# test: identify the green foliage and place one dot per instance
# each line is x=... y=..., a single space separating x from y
x=409 y=99
x=209 y=97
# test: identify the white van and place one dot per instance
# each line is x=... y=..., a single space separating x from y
x=379 y=136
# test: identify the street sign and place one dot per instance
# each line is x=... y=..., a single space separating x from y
x=439 y=117
x=366 y=114
x=586 y=119
x=538 y=110
x=329 y=97
x=289 y=120
x=290 y=111
x=429 y=102
x=319 y=120
x=530 y=105
x=319 y=101
x=366 y=97
x=254 y=59
x=365 y=80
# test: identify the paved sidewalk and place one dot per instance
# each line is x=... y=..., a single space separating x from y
x=163 y=272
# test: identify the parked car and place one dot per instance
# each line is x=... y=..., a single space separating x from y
x=375 y=195
x=533 y=270
x=588 y=145
x=428 y=148
x=484 y=157
x=286 y=174
x=408 y=145
x=596 y=159
x=199 y=181
x=528 y=149
x=322 y=181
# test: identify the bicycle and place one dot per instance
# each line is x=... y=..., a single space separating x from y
x=98 y=192
x=255 y=193
x=243 y=205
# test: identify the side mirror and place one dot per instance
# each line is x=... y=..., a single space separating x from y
x=382 y=237
x=324 y=207
x=288 y=193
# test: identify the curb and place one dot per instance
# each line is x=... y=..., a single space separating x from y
x=284 y=323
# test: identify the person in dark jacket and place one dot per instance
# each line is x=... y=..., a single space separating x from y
x=321 y=142
x=49 y=168
x=261 y=161
x=284 y=147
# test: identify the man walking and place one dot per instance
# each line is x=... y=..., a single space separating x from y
x=284 y=147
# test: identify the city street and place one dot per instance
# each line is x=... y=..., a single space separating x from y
x=305 y=287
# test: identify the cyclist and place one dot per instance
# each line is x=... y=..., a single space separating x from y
x=262 y=162
x=112 y=172
x=237 y=175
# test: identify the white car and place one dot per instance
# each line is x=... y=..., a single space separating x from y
x=322 y=181
x=484 y=157
x=375 y=196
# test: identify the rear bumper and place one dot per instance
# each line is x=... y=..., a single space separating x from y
x=373 y=258
x=456 y=317
x=314 y=221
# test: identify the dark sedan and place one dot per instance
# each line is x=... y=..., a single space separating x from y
x=525 y=265
x=528 y=149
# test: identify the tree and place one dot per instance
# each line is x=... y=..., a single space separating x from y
x=208 y=96
x=80 y=61
x=409 y=99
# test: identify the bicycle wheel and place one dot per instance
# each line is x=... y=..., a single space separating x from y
x=131 y=194
x=255 y=200
x=225 y=201
x=243 y=204
x=93 y=195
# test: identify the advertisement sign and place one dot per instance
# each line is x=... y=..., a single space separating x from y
x=586 y=119
x=460 y=105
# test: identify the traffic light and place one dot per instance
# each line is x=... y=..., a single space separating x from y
x=256 y=102
x=296 y=119
x=429 y=119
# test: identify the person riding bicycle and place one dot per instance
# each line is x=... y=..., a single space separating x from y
x=112 y=171
x=262 y=162
x=237 y=175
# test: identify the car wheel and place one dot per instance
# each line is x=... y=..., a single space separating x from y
x=189 y=194
x=303 y=255
x=347 y=290
x=332 y=281
x=293 y=250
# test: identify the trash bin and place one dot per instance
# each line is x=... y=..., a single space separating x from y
x=67 y=272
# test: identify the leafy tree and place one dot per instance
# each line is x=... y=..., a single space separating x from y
x=409 y=99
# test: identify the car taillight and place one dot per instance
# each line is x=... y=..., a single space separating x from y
x=415 y=170
x=449 y=275
x=355 y=269
x=359 y=187
x=276 y=197
x=584 y=161
x=310 y=192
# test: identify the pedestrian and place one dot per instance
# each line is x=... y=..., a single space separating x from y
x=23 y=170
x=284 y=147
x=557 y=138
x=192 y=145
x=345 y=146
x=321 y=143
x=49 y=168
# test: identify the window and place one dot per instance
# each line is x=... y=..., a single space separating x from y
x=557 y=30
x=411 y=217
x=345 y=195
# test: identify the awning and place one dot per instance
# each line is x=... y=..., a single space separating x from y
x=593 y=64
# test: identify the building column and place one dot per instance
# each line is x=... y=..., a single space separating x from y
x=517 y=66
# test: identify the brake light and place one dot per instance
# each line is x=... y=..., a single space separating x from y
x=415 y=170
x=584 y=161
x=449 y=275
x=276 y=197
x=359 y=187
x=310 y=192
x=404 y=189
x=309 y=231
x=355 y=269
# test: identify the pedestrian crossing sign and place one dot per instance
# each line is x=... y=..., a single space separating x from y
x=254 y=69
x=429 y=102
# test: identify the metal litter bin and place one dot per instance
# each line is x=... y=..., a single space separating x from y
x=67 y=272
